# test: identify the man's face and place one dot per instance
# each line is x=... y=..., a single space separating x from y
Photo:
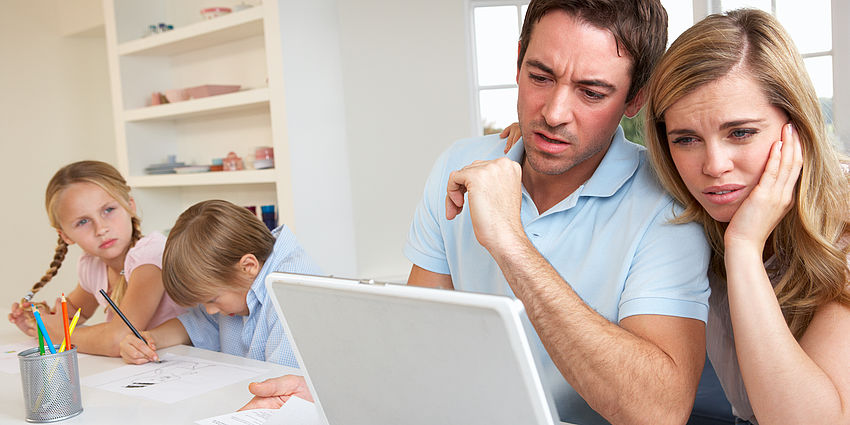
x=572 y=94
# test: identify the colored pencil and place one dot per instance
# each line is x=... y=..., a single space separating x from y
x=65 y=321
x=44 y=331
x=123 y=317
x=70 y=330
x=40 y=341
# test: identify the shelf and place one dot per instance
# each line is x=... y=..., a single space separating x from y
x=208 y=33
x=205 y=179
x=230 y=102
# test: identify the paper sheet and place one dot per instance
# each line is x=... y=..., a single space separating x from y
x=176 y=378
x=295 y=412
x=245 y=417
x=9 y=356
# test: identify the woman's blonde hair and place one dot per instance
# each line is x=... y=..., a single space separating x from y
x=107 y=178
x=204 y=247
x=807 y=241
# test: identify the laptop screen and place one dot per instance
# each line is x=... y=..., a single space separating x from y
x=393 y=354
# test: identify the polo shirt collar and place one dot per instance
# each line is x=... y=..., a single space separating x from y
x=618 y=166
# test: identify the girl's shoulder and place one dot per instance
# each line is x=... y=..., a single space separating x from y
x=147 y=250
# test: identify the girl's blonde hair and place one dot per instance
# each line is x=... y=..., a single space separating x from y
x=107 y=178
x=205 y=246
x=807 y=241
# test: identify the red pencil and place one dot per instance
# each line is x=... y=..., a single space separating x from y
x=65 y=321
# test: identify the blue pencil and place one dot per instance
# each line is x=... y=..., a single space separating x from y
x=44 y=331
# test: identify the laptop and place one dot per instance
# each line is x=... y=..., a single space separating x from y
x=380 y=353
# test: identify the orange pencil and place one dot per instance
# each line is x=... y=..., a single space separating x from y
x=65 y=321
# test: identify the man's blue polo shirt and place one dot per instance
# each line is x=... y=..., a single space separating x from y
x=611 y=240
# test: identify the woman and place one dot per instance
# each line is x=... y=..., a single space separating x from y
x=735 y=133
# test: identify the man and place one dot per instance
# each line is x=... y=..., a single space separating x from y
x=616 y=293
x=574 y=225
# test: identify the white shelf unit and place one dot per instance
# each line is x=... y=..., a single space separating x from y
x=230 y=49
x=285 y=56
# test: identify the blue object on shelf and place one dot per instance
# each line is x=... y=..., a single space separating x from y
x=267 y=212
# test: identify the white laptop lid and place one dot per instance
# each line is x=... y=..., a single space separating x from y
x=388 y=354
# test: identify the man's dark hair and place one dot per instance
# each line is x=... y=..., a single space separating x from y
x=638 y=26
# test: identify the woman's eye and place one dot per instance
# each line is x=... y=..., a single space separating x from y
x=743 y=133
x=684 y=140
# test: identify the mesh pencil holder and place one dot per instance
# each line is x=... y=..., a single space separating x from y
x=51 y=385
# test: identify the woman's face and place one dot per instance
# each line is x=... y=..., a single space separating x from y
x=720 y=138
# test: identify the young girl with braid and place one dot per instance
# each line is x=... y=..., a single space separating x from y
x=89 y=204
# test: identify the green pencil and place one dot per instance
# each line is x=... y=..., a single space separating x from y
x=40 y=342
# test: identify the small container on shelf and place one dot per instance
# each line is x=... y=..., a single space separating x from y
x=210 y=90
x=263 y=157
x=214 y=12
x=217 y=164
x=269 y=216
x=176 y=95
x=233 y=162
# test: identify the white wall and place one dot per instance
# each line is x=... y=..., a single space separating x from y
x=54 y=109
x=407 y=96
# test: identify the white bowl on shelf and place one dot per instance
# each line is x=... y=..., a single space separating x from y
x=192 y=169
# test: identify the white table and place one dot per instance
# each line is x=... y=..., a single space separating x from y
x=106 y=407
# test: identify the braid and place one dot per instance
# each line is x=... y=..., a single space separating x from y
x=58 y=257
x=121 y=286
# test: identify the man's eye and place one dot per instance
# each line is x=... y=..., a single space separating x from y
x=594 y=95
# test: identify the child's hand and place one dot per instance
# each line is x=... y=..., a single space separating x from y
x=512 y=133
x=22 y=318
x=135 y=351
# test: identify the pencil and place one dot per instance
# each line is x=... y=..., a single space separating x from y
x=123 y=317
x=65 y=321
x=40 y=341
x=44 y=331
x=70 y=331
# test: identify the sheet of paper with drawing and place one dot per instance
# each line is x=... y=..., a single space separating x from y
x=176 y=378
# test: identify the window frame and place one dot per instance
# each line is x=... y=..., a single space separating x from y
x=840 y=54
x=477 y=127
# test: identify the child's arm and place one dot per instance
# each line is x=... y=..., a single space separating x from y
x=79 y=298
x=144 y=292
x=135 y=351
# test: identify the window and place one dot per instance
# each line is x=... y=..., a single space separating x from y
x=495 y=34
x=810 y=25
x=495 y=27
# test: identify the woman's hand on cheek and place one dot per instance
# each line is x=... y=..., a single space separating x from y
x=773 y=197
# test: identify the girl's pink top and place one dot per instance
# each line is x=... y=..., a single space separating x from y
x=91 y=271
